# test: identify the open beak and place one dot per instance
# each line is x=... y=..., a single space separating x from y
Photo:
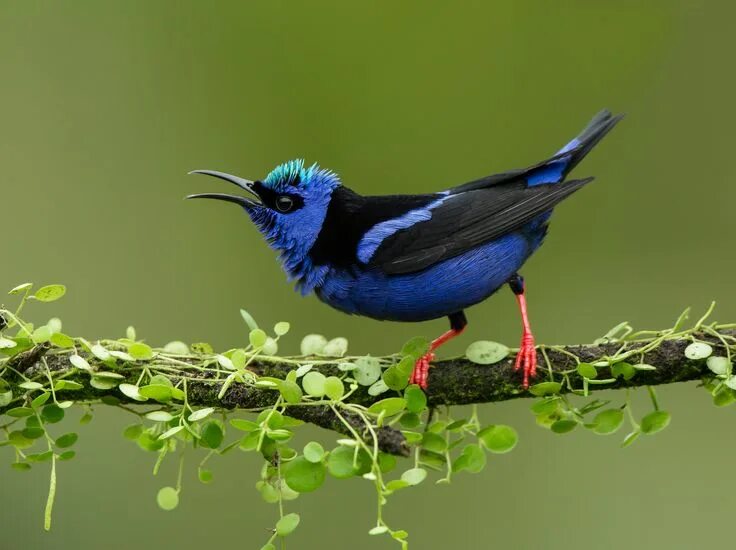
x=244 y=184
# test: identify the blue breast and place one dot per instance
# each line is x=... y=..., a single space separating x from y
x=437 y=291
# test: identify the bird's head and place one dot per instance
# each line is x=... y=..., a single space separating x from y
x=288 y=206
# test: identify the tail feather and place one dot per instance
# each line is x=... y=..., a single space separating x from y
x=597 y=128
x=554 y=169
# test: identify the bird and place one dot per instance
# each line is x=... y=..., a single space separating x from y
x=413 y=257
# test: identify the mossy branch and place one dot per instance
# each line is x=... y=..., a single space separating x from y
x=451 y=382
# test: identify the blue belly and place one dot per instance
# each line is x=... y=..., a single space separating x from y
x=440 y=290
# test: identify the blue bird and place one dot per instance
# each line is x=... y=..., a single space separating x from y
x=413 y=257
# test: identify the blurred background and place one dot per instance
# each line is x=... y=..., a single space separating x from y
x=105 y=107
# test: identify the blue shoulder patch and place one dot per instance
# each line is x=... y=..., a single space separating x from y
x=381 y=231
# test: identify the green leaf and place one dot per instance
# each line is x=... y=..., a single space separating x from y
x=485 y=352
x=499 y=438
x=202 y=348
x=41 y=334
x=389 y=406
x=410 y=420
x=176 y=348
x=655 y=422
x=167 y=498
x=563 y=426
x=249 y=320
x=472 y=459
x=257 y=338
x=40 y=457
x=624 y=369
x=20 y=288
x=607 y=422
x=201 y=414
x=303 y=476
x=30 y=385
x=340 y=462
x=314 y=452
x=33 y=432
x=586 y=370
x=67 y=385
x=243 y=425
x=367 y=370
x=280 y=434
x=334 y=388
x=547 y=405
x=416 y=399
x=133 y=431
x=337 y=347
x=159 y=416
x=414 y=476
x=718 y=365
x=61 y=340
x=40 y=400
x=131 y=391
x=102 y=383
x=395 y=379
x=698 y=350
x=139 y=350
x=149 y=442
x=20 y=466
x=50 y=293
x=18 y=440
x=67 y=455
x=52 y=414
x=377 y=388
x=275 y=418
x=100 y=352
x=287 y=524
x=171 y=432
x=158 y=392
x=204 y=475
x=238 y=359
x=211 y=435
x=314 y=383
x=415 y=348
x=7 y=344
x=313 y=344
x=80 y=362
x=67 y=440
x=724 y=397
x=7 y=397
x=434 y=442
x=629 y=439
x=378 y=530
x=281 y=328
x=291 y=391
x=545 y=388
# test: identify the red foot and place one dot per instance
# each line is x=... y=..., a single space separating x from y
x=420 y=374
x=526 y=359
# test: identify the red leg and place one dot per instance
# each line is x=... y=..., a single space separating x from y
x=526 y=359
x=420 y=374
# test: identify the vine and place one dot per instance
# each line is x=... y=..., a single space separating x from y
x=184 y=398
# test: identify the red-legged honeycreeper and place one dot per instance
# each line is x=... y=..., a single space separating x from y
x=413 y=257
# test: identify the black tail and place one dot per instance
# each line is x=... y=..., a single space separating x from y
x=597 y=128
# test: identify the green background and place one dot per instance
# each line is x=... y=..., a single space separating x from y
x=105 y=106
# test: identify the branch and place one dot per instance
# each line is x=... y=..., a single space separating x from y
x=451 y=382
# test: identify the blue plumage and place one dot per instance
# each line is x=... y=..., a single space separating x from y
x=413 y=257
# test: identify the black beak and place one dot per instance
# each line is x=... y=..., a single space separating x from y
x=244 y=184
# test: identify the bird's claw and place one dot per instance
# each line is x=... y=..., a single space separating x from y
x=420 y=374
x=526 y=359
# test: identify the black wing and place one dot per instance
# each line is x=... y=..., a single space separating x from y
x=466 y=220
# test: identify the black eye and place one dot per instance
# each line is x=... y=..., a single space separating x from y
x=284 y=203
